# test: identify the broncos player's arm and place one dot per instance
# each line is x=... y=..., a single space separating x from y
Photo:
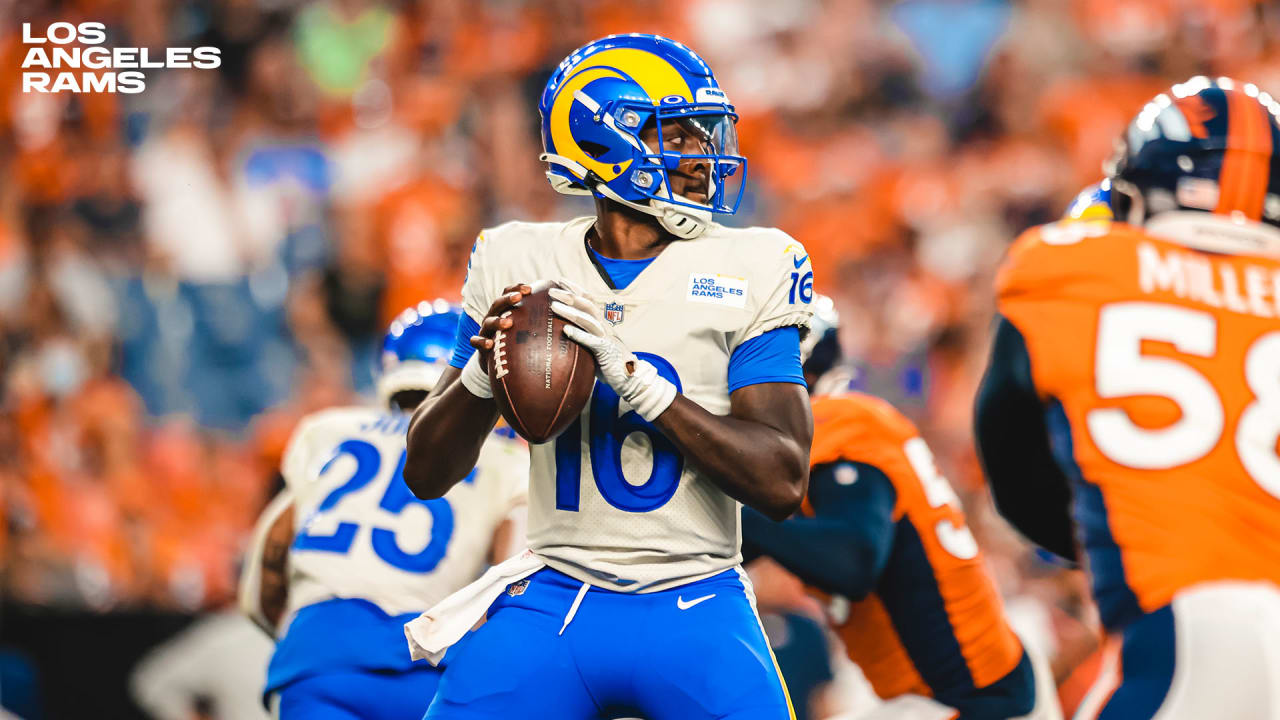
x=264 y=583
x=758 y=454
x=843 y=548
x=1029 y=487
x=449 y=427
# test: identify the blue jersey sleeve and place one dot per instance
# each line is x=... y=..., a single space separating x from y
x=845 y=546
x=771 y=357
x=462 y=340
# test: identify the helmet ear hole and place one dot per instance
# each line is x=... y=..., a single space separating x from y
x=593 y=149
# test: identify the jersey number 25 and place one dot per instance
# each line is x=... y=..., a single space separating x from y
x=395 y=499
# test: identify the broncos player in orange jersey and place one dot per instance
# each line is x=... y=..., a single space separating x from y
x=882 y=532
x=1132 y=406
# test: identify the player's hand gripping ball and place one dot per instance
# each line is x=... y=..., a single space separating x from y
x=636 y=381
x=540 y=378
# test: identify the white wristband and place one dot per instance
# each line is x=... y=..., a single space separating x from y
x=647 y=392
x=475 y=379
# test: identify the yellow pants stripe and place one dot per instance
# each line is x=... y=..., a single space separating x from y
x=751 y=596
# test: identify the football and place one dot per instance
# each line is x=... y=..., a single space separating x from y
x=541 y=379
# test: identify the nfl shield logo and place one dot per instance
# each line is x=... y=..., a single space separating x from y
x=613 y=313
x=518 y=587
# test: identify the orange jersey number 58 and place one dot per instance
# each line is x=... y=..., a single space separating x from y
x=1122 y=370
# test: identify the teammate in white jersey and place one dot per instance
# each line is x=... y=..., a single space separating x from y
x=346 y=555
x=631 y=601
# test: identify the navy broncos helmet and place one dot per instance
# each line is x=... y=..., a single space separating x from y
x=1205 y=145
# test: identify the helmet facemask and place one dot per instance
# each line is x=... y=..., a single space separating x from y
x=665 y=139
x=692 y=148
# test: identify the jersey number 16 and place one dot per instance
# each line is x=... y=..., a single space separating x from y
x=608 y=433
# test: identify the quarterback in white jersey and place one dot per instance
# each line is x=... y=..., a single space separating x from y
x=348 y=554
x=699 y=406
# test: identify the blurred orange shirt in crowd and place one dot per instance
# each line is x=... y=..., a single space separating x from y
x=497 y=40
x=419 y=227
x=1085 y=115
x=664 y=17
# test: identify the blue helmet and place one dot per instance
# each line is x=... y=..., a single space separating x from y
x=600 y=99
x=820 y=352
x=417 y=348
x=1093 y=203
x=1206 y=145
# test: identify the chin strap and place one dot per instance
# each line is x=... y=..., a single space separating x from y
x=685 y=223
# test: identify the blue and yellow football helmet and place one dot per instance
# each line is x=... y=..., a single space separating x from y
x=1093 y=203
x=600 y=99
x=417 y=348
x=1207 y=145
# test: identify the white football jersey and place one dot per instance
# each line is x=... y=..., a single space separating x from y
x=611 y=501
x=360 y=533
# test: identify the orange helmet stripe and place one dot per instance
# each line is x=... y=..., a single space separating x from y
x=1246 y=165
x=1254 y=189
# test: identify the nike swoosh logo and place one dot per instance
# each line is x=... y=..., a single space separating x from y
x=799 y=261
x=680 y=602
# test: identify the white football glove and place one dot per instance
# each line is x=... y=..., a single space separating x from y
x=636 y=381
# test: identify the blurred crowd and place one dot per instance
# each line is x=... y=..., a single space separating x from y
x=186 y=272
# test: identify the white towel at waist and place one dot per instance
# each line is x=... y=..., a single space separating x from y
x=434 y=631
